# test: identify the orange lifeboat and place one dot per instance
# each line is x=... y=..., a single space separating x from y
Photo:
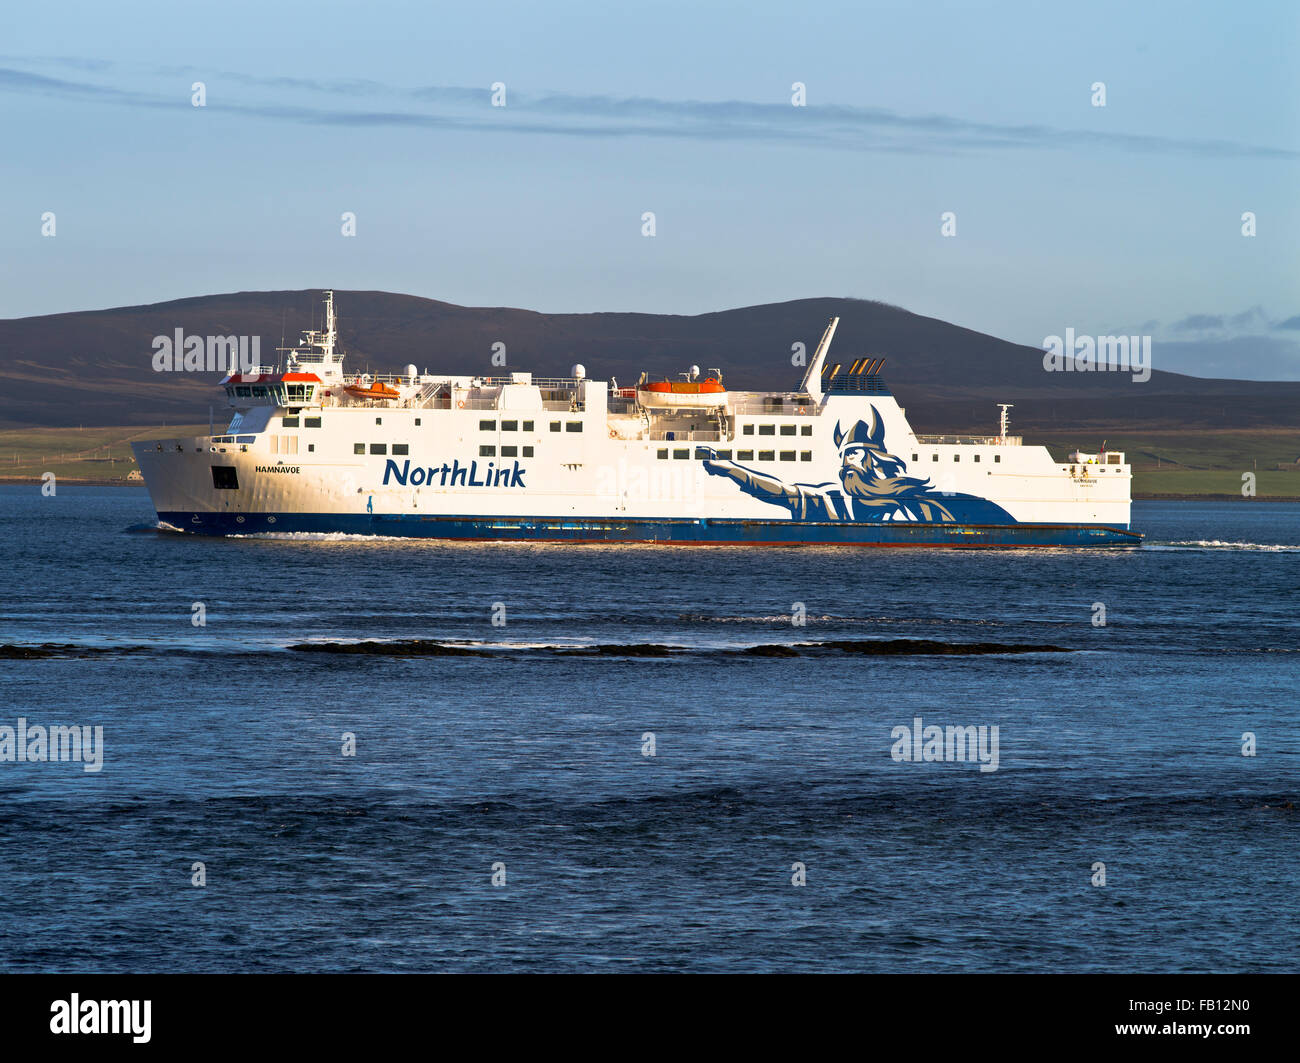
x=696 y=394
x=376 y=390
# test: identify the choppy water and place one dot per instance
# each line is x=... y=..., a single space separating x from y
x=498 y=744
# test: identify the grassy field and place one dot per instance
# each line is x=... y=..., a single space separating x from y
x=1176 y=464
x=100 y=455
x=1165 y=464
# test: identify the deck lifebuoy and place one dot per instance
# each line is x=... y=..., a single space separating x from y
x=460 y=404
x=613 y=434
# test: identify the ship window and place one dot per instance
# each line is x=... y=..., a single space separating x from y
x=487 y=426
x=379 y=420
x=787 y=429
x=701 y=453
x=573 y=426
x=767 y=455
x=681 y=454
x=956 y=457
x=916 y=457
x=976 y=458
x=378 y=448
x=555 y=426
x=724 y=455
x=510 y=426
x=311 y=447
x=997 y=457
x=417 y=422
x=311 y=422
x=805 y=429
x=401 y=448
x=805 y=455
x=358 y=448
x=934 y=457
x=787 y=455
x=748 y=430
x=245 y=439
x=745 y=455
x=528 y=426
x=487 y=450
x=528 y=452
x=767 y=429
x=290 y=422
x=225 y=478
x=509 y=452
x=663 y=452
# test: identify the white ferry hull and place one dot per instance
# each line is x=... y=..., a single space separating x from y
x=508 y=460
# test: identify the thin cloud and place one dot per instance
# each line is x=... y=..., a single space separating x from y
x=836 y=126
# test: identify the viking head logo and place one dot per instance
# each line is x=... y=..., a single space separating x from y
x=871 y=474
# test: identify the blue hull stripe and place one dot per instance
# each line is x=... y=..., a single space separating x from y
x=562 y=529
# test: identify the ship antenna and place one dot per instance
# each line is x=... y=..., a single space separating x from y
x=1003 y=420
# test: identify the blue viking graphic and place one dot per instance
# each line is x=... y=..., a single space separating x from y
x=871 y=486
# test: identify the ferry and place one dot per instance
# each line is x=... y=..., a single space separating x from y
x=310 y=447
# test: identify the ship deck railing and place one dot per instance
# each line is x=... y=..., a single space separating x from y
x=969 y=441
x=674 y=435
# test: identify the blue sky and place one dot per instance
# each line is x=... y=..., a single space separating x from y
x=1125 y=217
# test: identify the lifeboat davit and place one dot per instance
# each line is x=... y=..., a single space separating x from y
x=691 y=394
x=377 y=390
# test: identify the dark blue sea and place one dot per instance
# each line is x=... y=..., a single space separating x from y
x=521 y=745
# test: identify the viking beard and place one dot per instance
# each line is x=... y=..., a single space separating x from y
x=862 y=485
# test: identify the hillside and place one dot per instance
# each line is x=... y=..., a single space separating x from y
x=94 y=367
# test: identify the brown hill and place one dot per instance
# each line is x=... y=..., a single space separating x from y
x=94 y=367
